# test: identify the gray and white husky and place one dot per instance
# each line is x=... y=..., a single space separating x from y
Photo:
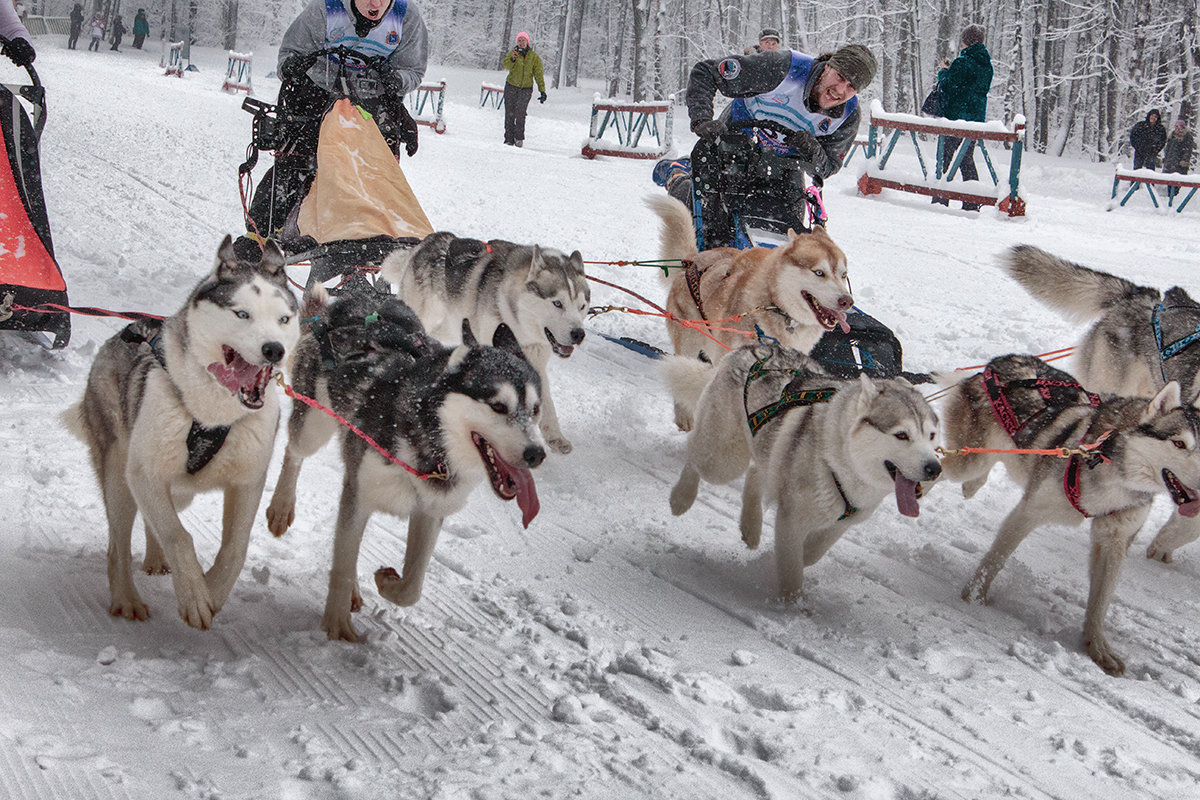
x=456 y=415
x=180 y=407
x=826 y=451
x=1141 y=339
x=1146 y=446
x=541 y=294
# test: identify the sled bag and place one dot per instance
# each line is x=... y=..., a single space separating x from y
x=359 y=191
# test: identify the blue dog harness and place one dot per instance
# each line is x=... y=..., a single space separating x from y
x=1174 y=348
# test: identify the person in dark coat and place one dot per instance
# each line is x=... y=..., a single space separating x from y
x=141 y=28
x=76 y=25
x=1148 y=138
x=964 y=85
x=815 y=101
x=118 y=31
x=1177 y=155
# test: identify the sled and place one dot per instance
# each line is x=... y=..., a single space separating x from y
x=360 y=207
x=763 y=191
x=33 y=293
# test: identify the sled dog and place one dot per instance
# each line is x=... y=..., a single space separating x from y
x=1140 y=340
x=825 y=451
x=792 y=293
x=456 y=415
x=1141 y=447
x=540 y=293
x=184 y=406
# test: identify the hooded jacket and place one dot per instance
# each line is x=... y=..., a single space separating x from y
x=1177 y=157
x=965 y=84
x=1148 y=137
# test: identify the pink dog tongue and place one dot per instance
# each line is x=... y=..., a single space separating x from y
x=906 y=496
x=1191 y=508
x=527 y=497
x=240 y=374
x=841 y=318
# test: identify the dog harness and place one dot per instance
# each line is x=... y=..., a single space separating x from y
x=1059 y=391
x=790 y=398
x=1175 y=347
x=202 y=442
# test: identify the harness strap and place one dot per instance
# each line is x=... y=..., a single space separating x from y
x=203 y=442
x=1175 y=347
x=1071 y=484
x=849 y=509
x=788 y=400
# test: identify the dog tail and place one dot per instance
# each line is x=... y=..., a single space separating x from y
x=1081 y=292
x=678 y=237
x=687 y=379
x=72 y=420
x=395 y=266
x=313 y=305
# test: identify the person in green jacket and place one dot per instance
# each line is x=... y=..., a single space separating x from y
x=964 y=86
x=524 y=67
x=141 y=28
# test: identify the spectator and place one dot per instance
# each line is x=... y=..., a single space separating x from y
x=964 y=85
x=97 y=31
x=1148 y=138
x=118 y=31
x=392 y=38
x=524 y=67
x=814 y=99
x=141 y=28
x=769 y=39
x=76 y=25
x=20 y=47
x=1177 y=155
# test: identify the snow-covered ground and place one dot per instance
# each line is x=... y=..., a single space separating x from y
x=610 y=650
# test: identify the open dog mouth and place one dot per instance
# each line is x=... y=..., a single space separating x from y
x=908 y=492
x=1187 y=501
x=248 y=382
x=560 y=350
x=828 y=318
x=509 y=481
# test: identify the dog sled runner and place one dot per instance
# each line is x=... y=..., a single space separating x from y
x=766 y=194
x=359 y=208
x=33 y=293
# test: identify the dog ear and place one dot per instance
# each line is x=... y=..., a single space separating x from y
x=272 y=261
x=577 y=262
x=1166 y=400
x=505 y=339
x=536 y=263
x=868 y=393
x=226 y=257
x=468 y=335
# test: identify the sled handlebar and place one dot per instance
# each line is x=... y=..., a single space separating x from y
x=34 y=92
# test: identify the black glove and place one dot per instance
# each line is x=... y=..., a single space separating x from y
x=804 y=144
x=709 y=129
x=294 y=67
x=20 y=51
x=542 y=97
x=408 y=131
x=382 y=67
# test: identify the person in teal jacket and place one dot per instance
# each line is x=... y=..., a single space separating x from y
x=141 y=28
x=964 y=86
x=524 y=67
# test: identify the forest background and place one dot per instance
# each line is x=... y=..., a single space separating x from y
x=1080 y=73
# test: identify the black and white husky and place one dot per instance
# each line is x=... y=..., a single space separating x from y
x=457 y=416
x=181 y=407
x=541 y=294
x=1145 y=446
x=825 y=451
x=1140 y=339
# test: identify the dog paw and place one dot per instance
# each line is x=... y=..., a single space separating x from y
x=280 y=517
x=339 y=628
x=155 y=566
x=195 y=602
x=752 y=538
x=1104 y=657
x=975 y=591
x=131 y=608
x=1159 y=553
x=558 y=444
x=394 y=588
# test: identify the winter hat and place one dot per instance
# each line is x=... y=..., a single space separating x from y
x=523 y=35
x=972 y=34
x=770 y=33
x=856 y=64
x=1181 y=123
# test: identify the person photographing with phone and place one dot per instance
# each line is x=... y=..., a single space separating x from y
x=524 y=67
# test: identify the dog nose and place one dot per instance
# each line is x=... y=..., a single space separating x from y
x=534 y=455
x=845 y=302
x=932 y=470
x=273 y=352
x=577 y=336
